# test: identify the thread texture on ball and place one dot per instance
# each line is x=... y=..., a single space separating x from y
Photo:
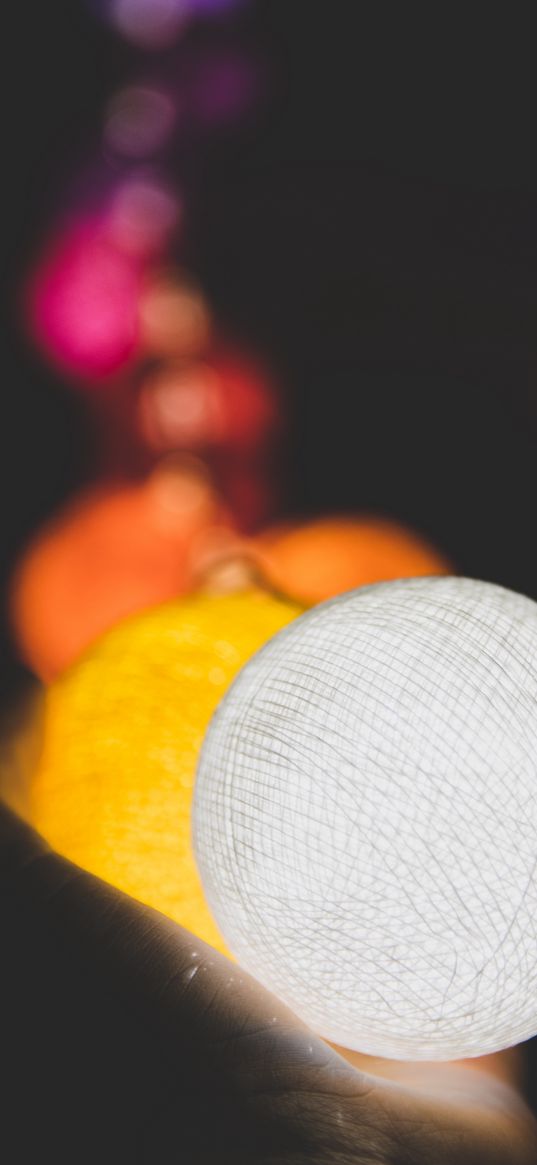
x=365 y=818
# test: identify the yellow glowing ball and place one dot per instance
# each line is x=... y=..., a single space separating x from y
x=122 y=732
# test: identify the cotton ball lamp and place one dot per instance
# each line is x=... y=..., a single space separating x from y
x=122 y=728
x=111 y=551
x=365 y=818
x=322 y=557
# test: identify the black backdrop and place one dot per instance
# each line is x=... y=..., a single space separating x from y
x=375 y=233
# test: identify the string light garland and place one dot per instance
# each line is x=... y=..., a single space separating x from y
x=108 y=301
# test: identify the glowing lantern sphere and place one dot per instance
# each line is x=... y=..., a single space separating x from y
x=152 y=24
x=111 y=552
x=122 y=733
x=139 y=120
x=222 y=405
x=365 y=818
x=140 y=218
x=174 y=319
x=224 y=86
x=83 y=302
x=317 y=559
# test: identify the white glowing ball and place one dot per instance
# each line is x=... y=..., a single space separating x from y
x=365 y=818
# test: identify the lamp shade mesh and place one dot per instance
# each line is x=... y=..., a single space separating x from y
x=365 y=818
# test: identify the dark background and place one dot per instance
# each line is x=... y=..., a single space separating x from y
x=374 y=232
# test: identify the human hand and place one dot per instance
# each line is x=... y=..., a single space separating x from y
x=126 y=1039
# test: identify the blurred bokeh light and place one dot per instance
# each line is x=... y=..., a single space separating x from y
x=138 y=121
x=175 y=319
x=319 y=558
x=224 y=87
x=152 y=24
x=82 y=301
x=223 y=403
x=83 y=296
x=141 y=215
x=110 y=552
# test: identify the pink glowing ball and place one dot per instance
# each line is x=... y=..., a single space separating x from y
x=82 y=302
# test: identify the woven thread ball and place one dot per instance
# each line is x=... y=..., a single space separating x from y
x=365 y=818
x=122 y=730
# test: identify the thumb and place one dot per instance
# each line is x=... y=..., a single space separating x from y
x=128 y=1040
x=119 y=1026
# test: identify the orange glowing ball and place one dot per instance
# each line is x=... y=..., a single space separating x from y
x=317 y=559
x=110 y=553
x=174 y=318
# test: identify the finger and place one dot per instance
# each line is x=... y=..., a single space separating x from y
x=508 y=1065
x=117 y=1023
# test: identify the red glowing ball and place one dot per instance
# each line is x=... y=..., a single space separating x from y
x=225 y=404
